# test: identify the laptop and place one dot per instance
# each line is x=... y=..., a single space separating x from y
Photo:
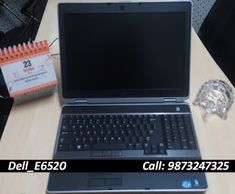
x=125 y=79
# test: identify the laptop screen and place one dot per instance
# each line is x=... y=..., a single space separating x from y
x=125 y=54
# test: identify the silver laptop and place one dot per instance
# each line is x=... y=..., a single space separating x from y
x=125 y=79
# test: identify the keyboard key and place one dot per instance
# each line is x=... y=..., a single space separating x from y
x=162 y=149
x=63 y=147
x=130 y=146
x=116 y=146
x=138 y=146
x=147 y=148
x=79 y=147
x=154 y=149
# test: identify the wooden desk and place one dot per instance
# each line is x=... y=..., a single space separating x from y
x=31 y=129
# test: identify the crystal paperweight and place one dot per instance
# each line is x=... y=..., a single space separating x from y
x=215 y=96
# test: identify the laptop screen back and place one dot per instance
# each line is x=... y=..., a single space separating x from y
x=137 y=52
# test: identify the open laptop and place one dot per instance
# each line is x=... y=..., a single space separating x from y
x=125 y=79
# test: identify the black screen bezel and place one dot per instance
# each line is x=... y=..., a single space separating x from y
x=73 y=8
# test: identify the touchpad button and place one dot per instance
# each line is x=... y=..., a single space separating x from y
x=112 y=181
x=96 y=182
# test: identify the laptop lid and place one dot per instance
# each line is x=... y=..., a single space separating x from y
x=138 y=52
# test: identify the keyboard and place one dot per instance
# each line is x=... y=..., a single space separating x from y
x=152 y=133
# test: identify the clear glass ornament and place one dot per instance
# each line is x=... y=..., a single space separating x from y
x=215 y=96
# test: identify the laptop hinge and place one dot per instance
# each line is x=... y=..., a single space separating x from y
x=85 y=101
x=170 y=100
x=79 y=102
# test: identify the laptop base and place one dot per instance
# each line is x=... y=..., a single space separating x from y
x=126 y=182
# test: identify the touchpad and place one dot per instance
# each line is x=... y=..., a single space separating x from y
x=105 y=179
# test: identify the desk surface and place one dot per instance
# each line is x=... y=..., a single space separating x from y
x=31 y=128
